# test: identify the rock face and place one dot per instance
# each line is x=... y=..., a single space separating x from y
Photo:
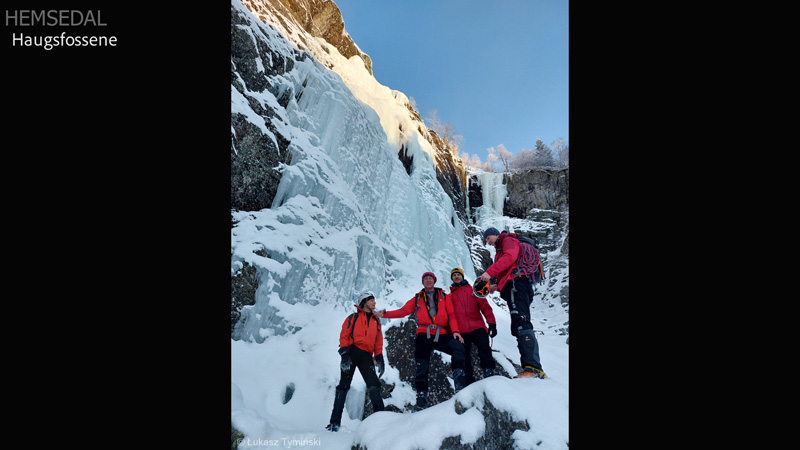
x=451 y=174
x=254 y=153
x=499 y=428
x=539 y=189
x=319 y=18
x=243 y=291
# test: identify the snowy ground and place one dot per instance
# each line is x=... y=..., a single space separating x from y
x=307 y=364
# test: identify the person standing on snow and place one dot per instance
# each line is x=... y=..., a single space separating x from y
x=361 y=337
x=434 y=315
x=516 y=289
x=468 y=308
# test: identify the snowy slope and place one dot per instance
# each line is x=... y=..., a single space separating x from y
x=347 y=217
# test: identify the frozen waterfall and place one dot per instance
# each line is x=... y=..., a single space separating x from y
x=494 y=197
x=346 y=217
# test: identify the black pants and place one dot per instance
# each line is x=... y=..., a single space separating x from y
x=518 y=294
x=480 y=339
x=363 y=360
x=423 y=346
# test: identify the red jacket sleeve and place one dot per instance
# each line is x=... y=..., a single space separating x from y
x=345 y=337
x=507 y=259
x=486 y=309
x=407 y=309
x=451 y=315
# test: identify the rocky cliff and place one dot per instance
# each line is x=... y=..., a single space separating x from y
x=255 y=151
x=318 y=18
x=536 y=189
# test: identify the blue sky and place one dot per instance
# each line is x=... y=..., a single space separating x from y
x=497 y=70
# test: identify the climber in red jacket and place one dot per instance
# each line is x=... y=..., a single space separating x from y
x=360 y=339
x=516 y=289
x=436 y=320
x=468 y=308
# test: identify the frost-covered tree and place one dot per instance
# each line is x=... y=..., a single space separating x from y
x=498 y=154
x=560 y=152
x=543 y=156
x=502 y=155
x=523 y=160
x=475 y=161
x=487 y=166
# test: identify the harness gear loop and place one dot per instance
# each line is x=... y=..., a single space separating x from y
x=438 y=330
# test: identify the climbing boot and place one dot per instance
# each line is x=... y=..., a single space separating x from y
x=422 y=401
x=459 y=380
x=531 y=372
x=375 y=398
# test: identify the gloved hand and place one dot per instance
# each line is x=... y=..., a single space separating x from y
x=345 y=354
x=379 y=363
x=492 y=330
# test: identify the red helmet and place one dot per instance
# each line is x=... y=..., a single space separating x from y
x=429 y=274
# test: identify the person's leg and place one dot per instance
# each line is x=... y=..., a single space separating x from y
x=468 y=371
x=487 y=362
x=521 y=294
x=422 y=356
x=366 y=365
x=346 y=377
x=453 y=347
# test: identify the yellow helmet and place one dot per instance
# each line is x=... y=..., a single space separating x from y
x=457 y=269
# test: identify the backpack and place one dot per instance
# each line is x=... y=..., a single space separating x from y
x=351 y=323
x=528 y=260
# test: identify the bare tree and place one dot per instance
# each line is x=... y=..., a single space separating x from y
x=504 y=156
x=454 y=142
x=446 y=130
x=433 y=121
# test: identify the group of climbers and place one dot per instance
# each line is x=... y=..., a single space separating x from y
x=450 y=323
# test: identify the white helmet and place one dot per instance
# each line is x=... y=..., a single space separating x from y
x=362 y=299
